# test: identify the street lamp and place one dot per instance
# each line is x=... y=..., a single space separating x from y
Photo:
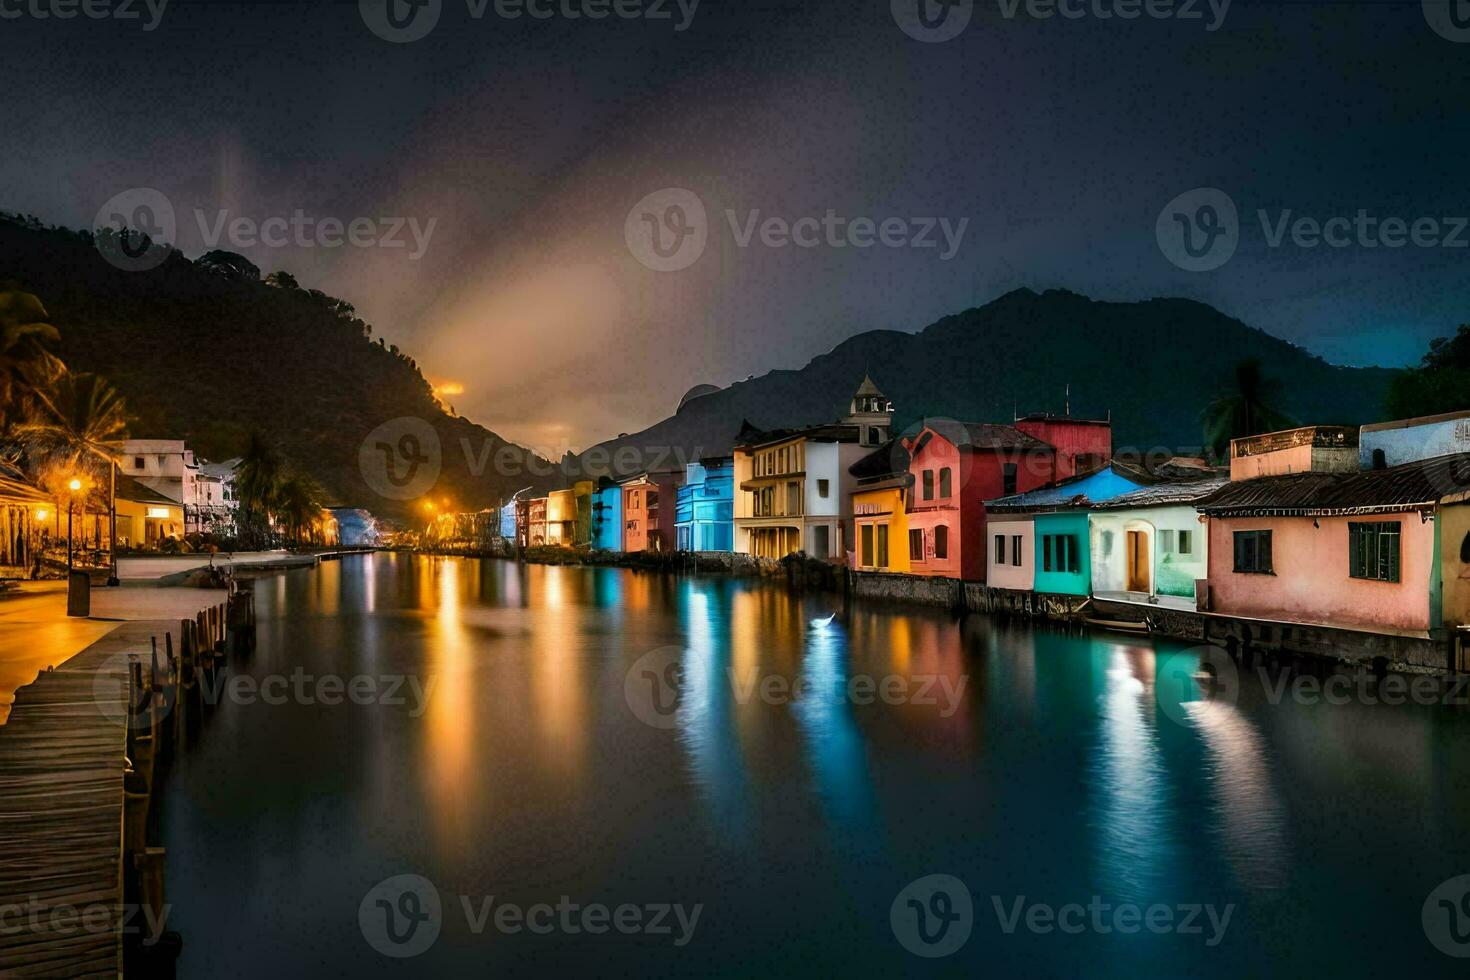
x=73 y=486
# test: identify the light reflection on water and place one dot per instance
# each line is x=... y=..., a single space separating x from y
x=1055 y=774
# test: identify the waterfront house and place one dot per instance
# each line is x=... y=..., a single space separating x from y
x=648 y=511
x=607 y=516
x=794 y=486
x=955 y=467
x=1383 y=551
x=145 y=517
x=536 y=527
x=582 y=500
x=880 y=509
x=1151 y=544
x=1040 y=540
x=1407 y=440
x=704 y=515
x=561 y=517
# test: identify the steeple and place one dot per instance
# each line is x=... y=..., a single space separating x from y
x=871 y=412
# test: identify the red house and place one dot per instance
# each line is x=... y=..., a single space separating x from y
x=956 y=466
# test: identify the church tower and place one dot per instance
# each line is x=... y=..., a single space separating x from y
x=871 y=412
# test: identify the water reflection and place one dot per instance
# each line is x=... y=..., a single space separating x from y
x=1054 y=772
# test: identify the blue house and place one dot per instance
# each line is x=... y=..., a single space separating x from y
x=704 y=510
x=1059 y=552
x=508 y=516
x=607 y=518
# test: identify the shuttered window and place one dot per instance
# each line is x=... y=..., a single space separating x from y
x=1253 y=551
x=1373 y=550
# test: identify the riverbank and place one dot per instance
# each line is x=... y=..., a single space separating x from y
x=1244 y=639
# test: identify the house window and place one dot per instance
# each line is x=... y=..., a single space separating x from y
x=1059 y=553
x=793 y=499
x=941 y=541
x=1000 y=549
x=867 y=545
x=882 y=545
x=822 y=489
x=1373 y=550
x=928 y=484
x=821 y=541
x=1166 y=542
x=1186 y=542
x=916 y=544
x=1253 y=552
x=1008 y=479
x=1380 y=459
x=1016 y=550
x=944 y=482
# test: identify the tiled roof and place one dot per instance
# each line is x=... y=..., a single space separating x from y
x=130 y=489
x=1166 y=494
x=1395 y=488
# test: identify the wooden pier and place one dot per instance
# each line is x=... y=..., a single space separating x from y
x=77 y=768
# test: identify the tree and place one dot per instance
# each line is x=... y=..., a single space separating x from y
x=1246 y=409
x=26 y=361
x=282 y=280
x=231 y=265
x=1441 y=384
x=257 y=486
x=299 y=502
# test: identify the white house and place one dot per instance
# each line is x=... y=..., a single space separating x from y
x=1151 y=544
x=168 y=467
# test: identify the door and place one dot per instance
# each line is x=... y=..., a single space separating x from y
x=1139 y=577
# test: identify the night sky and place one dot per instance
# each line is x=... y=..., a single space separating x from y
x=527 y=141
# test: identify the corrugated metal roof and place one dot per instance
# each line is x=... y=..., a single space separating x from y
x=1166 y=494
x=1398 y=487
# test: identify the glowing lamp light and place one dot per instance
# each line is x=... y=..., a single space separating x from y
x=74 y=485
x=41 y=514
x=158 y=512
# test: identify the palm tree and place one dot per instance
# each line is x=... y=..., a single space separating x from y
x=258 y=486
x=298 y=499
x=26 y=361
x=1247 y=409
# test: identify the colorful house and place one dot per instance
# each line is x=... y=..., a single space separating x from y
x=607 y=517
x=648 y=511
x=145 y=517
x=794 y=486
x=1054 y=552
x=536 y=527
x=1383 y=551
x=704 y=514
x=561 y=518
x=956 y=467
x=1408 y=440
x=879 y=509
x=1151 y=544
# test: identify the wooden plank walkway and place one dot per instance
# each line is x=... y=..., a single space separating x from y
x=62 y=763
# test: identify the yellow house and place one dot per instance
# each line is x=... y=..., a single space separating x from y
x=879 y=510
x=561 y=517
x=145 y=517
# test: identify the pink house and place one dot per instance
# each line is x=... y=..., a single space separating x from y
x=648 y=511
x=955 y=467
x=1366 y=550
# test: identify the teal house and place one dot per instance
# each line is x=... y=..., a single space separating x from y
x=704 y=508
x=607 y=517
x=1055 y=519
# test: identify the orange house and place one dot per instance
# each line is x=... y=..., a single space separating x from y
x=648 y=511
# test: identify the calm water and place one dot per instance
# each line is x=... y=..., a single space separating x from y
x=1054 y=775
